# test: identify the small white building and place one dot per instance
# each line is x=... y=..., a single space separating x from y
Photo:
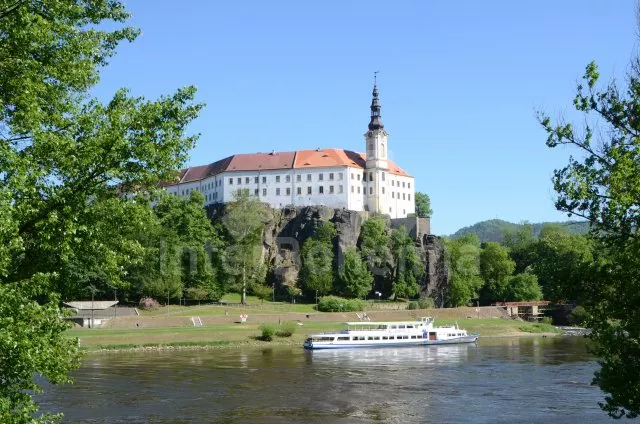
x=332 y=177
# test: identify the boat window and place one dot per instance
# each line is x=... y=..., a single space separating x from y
x=409 y=326
x=370 y=338
x=385 y=338
x=401 y=326
x=376 y=338
x=343 y=338
x=362 y=338
x=414 y=337
x=404 y=337
x=393 y=327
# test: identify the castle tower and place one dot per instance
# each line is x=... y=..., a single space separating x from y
x=376 y=165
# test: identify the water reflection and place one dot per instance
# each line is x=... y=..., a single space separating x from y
x=391 y=357
x=503 y=380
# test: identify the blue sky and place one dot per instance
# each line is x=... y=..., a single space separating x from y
x=460 y=82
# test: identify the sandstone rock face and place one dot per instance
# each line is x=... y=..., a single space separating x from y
x=289 y=227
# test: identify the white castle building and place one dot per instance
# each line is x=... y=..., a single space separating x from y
x=332 y=177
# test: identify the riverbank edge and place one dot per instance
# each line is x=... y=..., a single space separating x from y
x=282 y=342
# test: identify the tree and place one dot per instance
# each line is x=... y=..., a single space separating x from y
x=463 y=262
x=244 y=221
x=423 y=205
x=62 y=157
x=495 y=268
x=356 y=278
x=521 y=243
x=523 y=287
x=374 y=246
x=317 y=272
x=602 y=185
x=563 y=263
x=408 y=266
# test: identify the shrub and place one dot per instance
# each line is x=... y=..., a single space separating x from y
x=547 y=320
x=413 y=305
x=339 y=304
x=287 y=329
x=268 y=331
x=426 y=303
x=148 y=303
x=578 y=316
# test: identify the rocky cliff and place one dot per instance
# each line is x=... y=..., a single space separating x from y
x=290 y=227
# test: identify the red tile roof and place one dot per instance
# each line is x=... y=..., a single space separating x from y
x=300 y=159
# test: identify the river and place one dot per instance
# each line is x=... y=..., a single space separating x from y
x=507 y=380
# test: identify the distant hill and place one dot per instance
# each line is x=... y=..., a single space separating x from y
x=493 y=229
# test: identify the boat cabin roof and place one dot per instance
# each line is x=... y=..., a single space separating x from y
x=423 y=320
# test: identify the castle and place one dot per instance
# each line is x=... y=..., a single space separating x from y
x=332 y=177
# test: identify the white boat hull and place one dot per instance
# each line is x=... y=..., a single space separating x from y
x=472 y=338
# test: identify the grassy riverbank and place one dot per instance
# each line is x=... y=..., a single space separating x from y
x=227 y=335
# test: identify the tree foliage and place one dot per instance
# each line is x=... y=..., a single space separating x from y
x=495 y=268
x=64 y=159
x=244 y=223
x=317 y=273
x=602 y=185
x=423 y=205
x=523 y=287
x=408 y=267
x=356 y=278
x=463 y=262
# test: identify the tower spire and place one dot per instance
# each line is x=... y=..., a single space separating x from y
x=376 y=118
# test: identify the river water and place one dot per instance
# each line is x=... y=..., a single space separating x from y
x=534 y=380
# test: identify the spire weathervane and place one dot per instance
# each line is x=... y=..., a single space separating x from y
x=375 y=78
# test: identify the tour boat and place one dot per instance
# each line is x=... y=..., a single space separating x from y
x=380 y=334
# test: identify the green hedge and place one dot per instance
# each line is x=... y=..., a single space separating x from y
x=339 y=304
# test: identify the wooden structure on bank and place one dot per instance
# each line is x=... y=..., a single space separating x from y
x=528 y=311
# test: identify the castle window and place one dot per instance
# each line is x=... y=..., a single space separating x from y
x=389 y=210
x=309 y=177
x=408 y=185
x=364 y=177
x=230 y=181
x=404 y=211
x=353 y=189
x=330 y=189
x=321 y=189
x=277 y=192
x=288 y=191
x=403 y=196
x=398 y=194
x=239 y=180
x=352 y=175
x=340 y=188
x=370 y=190
x=330 y=176
x=264 y=191
x=277 y=178
x=340 y=176
x=358 y=190
x=320 y=177
x=299 y=191
x=246 y=180
x=383 y=176
x=403 y=184
x=298 y=178
x=392 y=183
x=382 y=190
x=255 y=192
x=370 y=176
x=408 y=197
x=309 y=190
x=358 y=177
x=256 y=180
x=288 y=178
x=393 y=195
x=264 y=180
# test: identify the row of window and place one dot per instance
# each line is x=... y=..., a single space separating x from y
x=287 y=191
x=357 y=338
x=393 y=182
x=287 y=178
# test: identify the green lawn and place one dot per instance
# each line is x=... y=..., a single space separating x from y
x=241 y=334
x=233 y=300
